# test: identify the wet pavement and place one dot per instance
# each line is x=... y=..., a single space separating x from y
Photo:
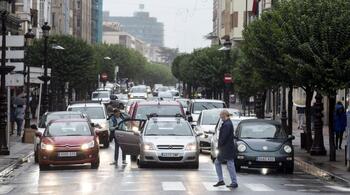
x=129 y=179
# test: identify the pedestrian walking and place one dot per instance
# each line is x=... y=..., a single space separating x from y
x=339 y=125
x=19 y=118
x=115 y=119
x=33 y=105
x=301 y=116
x=226 y=151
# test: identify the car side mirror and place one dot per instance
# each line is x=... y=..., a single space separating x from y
x=199 y=134
x=188 y=113
x=291 y=137
x=38 y=134
x=235 y=137
x=190 y=119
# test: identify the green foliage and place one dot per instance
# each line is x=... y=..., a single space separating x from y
x=158 y=73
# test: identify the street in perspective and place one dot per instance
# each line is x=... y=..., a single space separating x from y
x=174 y=97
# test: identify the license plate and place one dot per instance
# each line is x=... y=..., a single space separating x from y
x=266 y=159
x=170 y=155
x=67 y=154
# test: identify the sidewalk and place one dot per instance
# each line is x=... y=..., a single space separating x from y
x=320 y=165
x=19 y=153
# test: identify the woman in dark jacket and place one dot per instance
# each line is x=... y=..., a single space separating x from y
x=339 y=124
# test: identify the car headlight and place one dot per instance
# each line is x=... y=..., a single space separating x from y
x=287 y=149
x=88 y=145
x=191 y=147
x=148 y=146
x=241 y=148
x=47 y=147
x=131 y=96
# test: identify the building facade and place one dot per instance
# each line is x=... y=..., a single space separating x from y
x=40 y=13
x=62 y=17
x=142 y=26
x=82 y=18
x=96 y=21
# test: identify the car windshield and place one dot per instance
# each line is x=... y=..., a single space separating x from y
x=92 y=112
x=168 y=128
x=199 y=106
x=60 y=129
x=235 y=123
x=138 y=90
x=210 y=118
x=163 y=89
x=97 y=95
x=53 y=116
x=260 y=130
x=143 y=111
x=184 y=103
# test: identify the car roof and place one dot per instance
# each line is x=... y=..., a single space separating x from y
x=170 y=119
x=86 y=105
x=65 y=113
x=220 y=109
x=207 y=100
x=272 y=122
x=150 y=103
x=69 y=120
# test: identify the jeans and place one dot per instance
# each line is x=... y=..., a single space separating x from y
x=116 y=151
x=19 y=123
x=231 y=169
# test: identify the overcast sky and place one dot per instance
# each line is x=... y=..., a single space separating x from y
x=185 y=21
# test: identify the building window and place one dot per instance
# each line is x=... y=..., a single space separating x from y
x=234 y=19
x=223 y=19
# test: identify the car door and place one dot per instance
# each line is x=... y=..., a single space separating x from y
x=128 y=135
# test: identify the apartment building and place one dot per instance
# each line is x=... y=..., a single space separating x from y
x=82 y=19
x=62 y=17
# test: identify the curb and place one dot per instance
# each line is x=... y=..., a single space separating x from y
x=318 y=172
x=12 y=166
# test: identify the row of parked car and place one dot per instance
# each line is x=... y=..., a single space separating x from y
x=170 y=131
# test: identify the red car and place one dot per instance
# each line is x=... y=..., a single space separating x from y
x=140 y=110
x=68 y=141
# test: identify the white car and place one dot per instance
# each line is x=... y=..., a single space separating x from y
x=197 y=105
x=165 y=95
x=101 y=95
x=206 y=124
x=214 y=140
x=98 y=116
x=138 y=92
x=50 y=116
x=163 y=140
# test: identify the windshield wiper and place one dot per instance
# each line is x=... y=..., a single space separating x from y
x=213 y=105
x=204 y=107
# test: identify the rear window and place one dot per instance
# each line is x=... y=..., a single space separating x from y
x=60 y=129
x=92 y=112
x=166 y=110
x=199 y=106
x=97 y=95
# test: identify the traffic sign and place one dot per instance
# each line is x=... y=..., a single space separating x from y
x=227 y=78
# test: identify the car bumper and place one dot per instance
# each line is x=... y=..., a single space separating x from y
x=251 y=161
x=82 y=157
x=158 y=156
x=205 y=142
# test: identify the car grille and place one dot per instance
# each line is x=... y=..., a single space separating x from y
x=170 y=158
x=170 y=147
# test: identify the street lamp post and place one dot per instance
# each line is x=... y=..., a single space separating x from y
x=227 y=48
x=4 y=70
x=29 y=36
x=318 y=148
x=45 y=78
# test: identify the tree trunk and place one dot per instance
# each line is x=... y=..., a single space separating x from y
x=273 y=104
x=331 y=110
x=309 y=95
x=290 y=110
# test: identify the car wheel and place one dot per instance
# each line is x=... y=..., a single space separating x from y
x=95 y=164
x=141 y=164
x=36 y=157
x=43 y=167
x=289 y=169
x=133 y=158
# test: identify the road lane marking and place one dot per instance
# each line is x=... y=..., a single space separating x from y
x=173 y=186
x=209 y=187
x=339 y=188
x=294 y=185
x=259 y=187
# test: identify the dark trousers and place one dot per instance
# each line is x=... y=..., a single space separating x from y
x=19 y=123
x=338 y=139
x=116 y=151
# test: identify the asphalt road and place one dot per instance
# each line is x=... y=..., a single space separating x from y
x=129 y=179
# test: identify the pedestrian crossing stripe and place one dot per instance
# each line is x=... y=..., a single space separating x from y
x=259 y=187
x=173 y=186
x=339 y=188
x=209 y=187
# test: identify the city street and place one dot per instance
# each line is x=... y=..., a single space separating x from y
x=130 y=179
